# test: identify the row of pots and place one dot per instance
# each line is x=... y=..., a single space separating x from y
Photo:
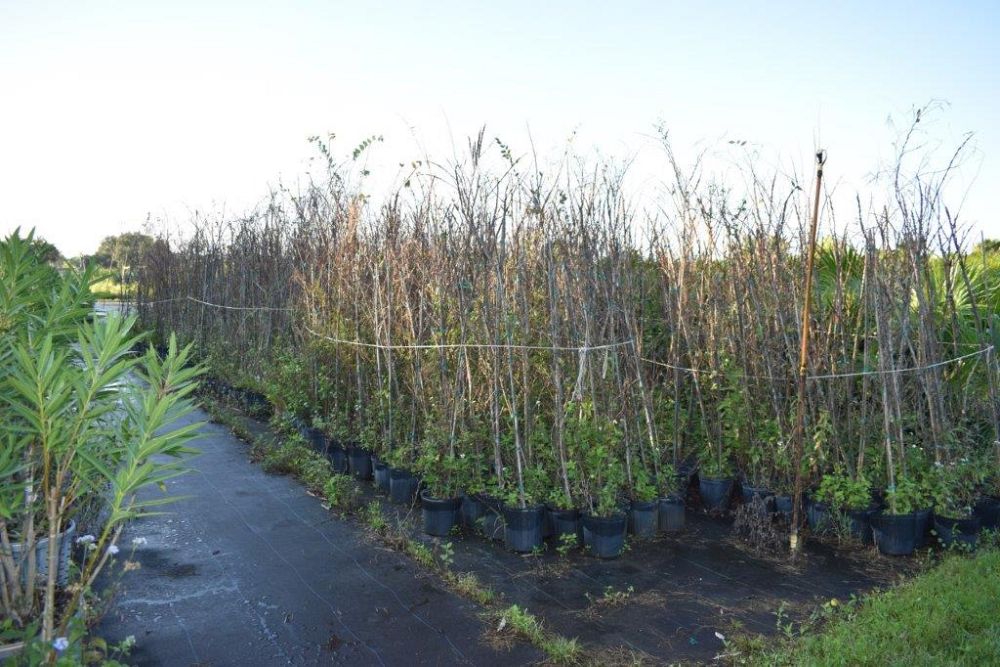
x=523 y=530
x=893 y=534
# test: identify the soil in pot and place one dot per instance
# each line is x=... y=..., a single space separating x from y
x=988 y=512
x=361 y=463
x=715 y=493
x=523 y=530
x=381 y=474
x=565 y=522
x=472 y=510
x=440 y=514
x=642 y=518
x=402 y=486
x=670 y=516
x=604 y=536
x=961 y=532
x=898 y=534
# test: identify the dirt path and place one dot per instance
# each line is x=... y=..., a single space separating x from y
x=250 y=570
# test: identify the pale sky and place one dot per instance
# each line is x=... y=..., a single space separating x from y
x=112 y=111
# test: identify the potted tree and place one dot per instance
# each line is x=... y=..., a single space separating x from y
x=439 y=499
x=850 y=496
x=644 y=508
x=899 y=528
x=403 y=484
x=954 y=498
x=82 y=422
x=595 y=443
x=715 y=478
x=523 y=513
x=670 y=511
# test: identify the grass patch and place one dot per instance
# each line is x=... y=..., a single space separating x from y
x=947 y=616
x=520 y=622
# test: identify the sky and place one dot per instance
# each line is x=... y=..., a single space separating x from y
x=114 y=112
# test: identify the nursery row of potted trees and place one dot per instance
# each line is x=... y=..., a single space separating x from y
x=534 y=325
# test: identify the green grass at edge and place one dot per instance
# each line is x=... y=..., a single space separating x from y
x=947 y=616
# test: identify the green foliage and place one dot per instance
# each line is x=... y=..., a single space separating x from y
x=341 y=492
x=594 y=442
x=944 y=617
x=83 y=419
x=907 y=496
x=843 y=492
x=954 y=487
x=643 y=487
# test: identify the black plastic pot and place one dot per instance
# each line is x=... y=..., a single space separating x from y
x=402 y=486
x=440 y=514
x=523 y=530
x=963 y=532
x=750 y=492
x=472 y=510
x=899 y=534
x=988 y=512
x=338 y=458
x=642 y=518
x=317 y=440
x=565 y=522
x=546 y=523
x=361 y=463
x=715 y=493
x=783 y=506
x=604 y=536
x=670 y=517
x=819 y=516
x=861 y=524
x=382 y=482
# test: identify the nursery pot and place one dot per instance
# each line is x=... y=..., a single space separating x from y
x=604 y=536
x=783 y=506
x=440 y=514
x=715 y=492
x=988 y=511
x=381 y=478
x=861 y=523
x=899 y=534
x=338 y=458
x=565 y=522
x=957 y=531
x=670 y=517
x=317 y=440
x=361 y=463
x=750 y=492
x=642 y=518
x=42 y=556
x=472 y=510
x=546 y=523
x=402 y=486
x=819 y=517
x=523 y=532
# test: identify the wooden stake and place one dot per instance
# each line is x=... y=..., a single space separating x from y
x=800 y=428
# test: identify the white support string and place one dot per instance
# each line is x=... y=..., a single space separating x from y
x=490 y=346
x=570 y=348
